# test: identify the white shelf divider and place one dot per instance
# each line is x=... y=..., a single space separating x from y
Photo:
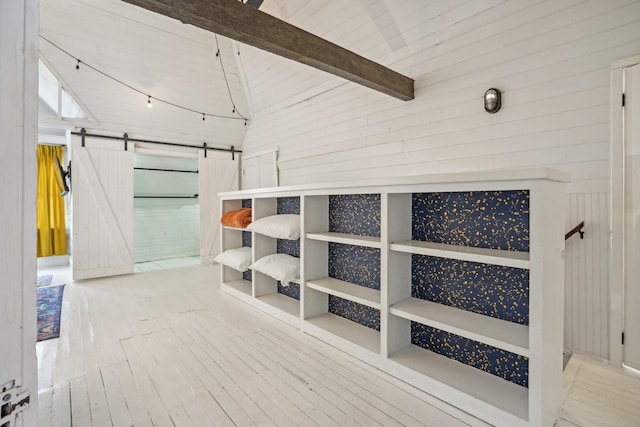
x=352 y=332
x=464 y=253
x=498 y=333
x=347 y=239
x=495 y=391
x=356 y=293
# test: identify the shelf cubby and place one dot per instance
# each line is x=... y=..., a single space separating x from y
x=269 y=294
x=235 y=282
x=462 y=379
x=327 y=326
x=339 y=288
x=498 y=333
x=342 y=289
x=240 y=288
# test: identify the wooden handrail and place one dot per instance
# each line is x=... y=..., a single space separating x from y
x=574 y=230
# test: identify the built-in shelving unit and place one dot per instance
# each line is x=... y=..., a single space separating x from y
x=452 y=283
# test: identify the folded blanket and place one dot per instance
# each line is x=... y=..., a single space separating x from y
x=239 y=218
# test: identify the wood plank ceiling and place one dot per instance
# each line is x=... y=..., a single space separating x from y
x=248 y=25
x=168 y=60
x=156 y=55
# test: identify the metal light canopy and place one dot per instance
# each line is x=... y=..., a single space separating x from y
x=492 y=100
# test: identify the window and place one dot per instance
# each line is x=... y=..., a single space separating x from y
x=54 y=99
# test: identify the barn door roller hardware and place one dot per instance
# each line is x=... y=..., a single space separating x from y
x=246 y=24
x=125 y=137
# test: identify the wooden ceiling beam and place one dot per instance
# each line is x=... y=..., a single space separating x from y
x=251 y=26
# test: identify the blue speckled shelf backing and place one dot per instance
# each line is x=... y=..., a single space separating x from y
x=485 y=219
x=357 y=214
x=360 y=266
x=361 y=314
x=288 y=205
x=491 y=290
x=509 y=366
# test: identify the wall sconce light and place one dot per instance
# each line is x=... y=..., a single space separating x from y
x=492 y=102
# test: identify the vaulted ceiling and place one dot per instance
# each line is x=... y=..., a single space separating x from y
x=170 y=61
x=152 y=54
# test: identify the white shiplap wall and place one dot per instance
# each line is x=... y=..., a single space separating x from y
x=550 y=58
x=587 y=275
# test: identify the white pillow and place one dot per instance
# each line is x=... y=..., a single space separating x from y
x=282 y=267
x=285 y=226
x=238 y=259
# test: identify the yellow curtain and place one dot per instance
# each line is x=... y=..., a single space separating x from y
x=52 y=233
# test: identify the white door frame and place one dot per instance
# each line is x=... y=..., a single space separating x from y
x=19 y=21
x=616 y=271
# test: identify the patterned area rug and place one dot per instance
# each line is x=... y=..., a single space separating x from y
x=49 y=300
x=44 y=280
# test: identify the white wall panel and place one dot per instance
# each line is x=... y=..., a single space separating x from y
x=587 y=275
x=550 y=59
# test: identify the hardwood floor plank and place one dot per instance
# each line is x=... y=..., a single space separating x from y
x=61 y=406
x=180 y=417
x=132 y=393
x=234 y=376
x=373 y=381
x=359 y=383
x=80 y=407
x=115 y=397
x=272 y=386
x=139 y=359
x=204 y=409
x=100 y=415
x=144 y=423
x=288 y=384
x=45 y=397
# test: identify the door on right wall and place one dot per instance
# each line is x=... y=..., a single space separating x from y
x=631 y=349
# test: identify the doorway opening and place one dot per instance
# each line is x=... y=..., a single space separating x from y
x=166 y=218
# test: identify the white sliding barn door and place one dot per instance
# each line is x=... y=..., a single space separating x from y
x=217 y=173
x=102 y=208
x=631 y=350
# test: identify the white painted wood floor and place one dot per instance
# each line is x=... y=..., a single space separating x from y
x=167 y=348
